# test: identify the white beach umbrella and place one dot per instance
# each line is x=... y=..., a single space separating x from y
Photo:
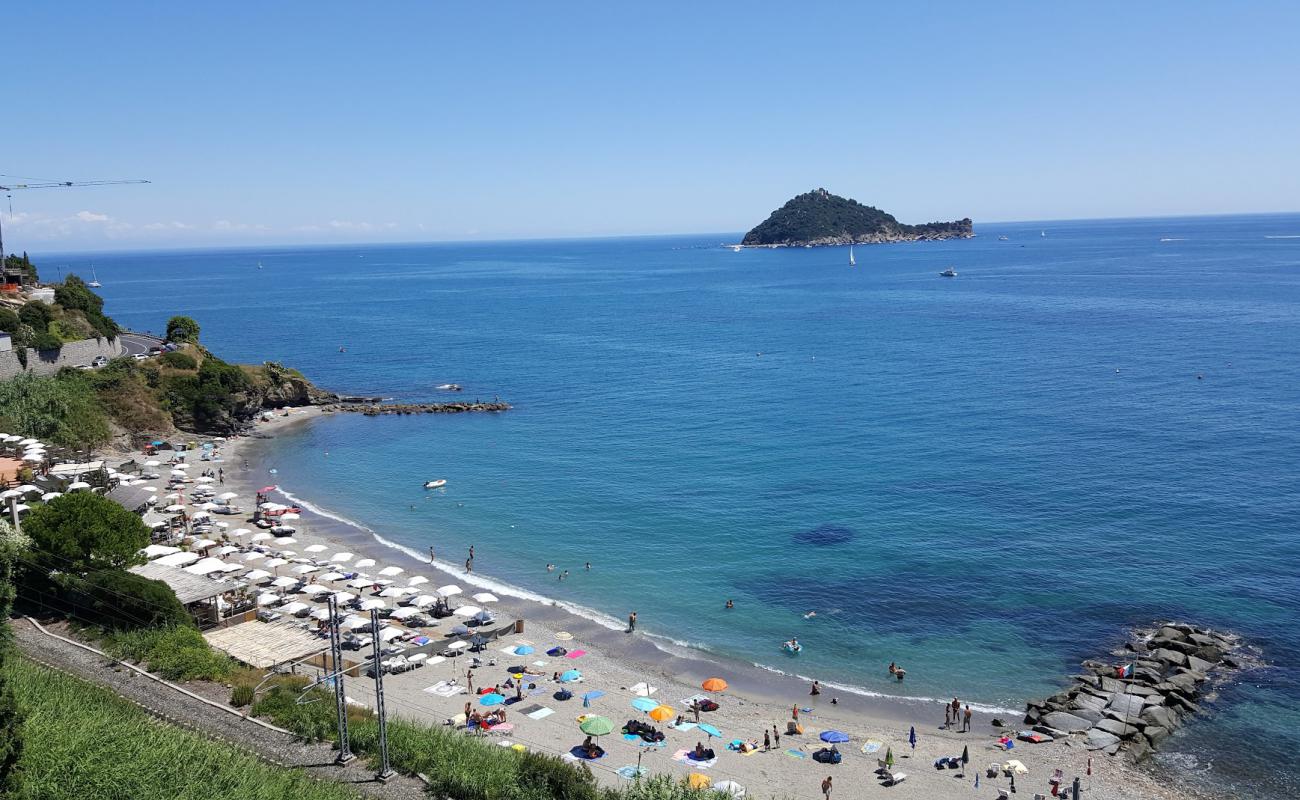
x=366 y=562
x=253 y=556
x=341 y=557
x=390 y=571
x=330 y=576
x=34 y=457
x=294 y=608
x=174 y=509
x=180 y=465
x=208 y=507
x=205 y=566
x=257 y=575
x=360 y=583
x=315 y=548
x=156 y=550
x=205 y=479
x=223 y=525
x=422 y=601
x=21 y=507
x=389 y=634
x=25 y=442
x=417 y=580
x=77 y=486
x=394 y=591
x=261 y=536
x=352 y=622
x=458 y=645
x=269 y=506
x=449 y=590
x=199 y=544
x=321 y=614
x=403 y=613
x=240 y=532
x=48 y=496
x=200 y=515
x=227 y=496
x=284 y=582
x=285 y=540
x=305 y=568
x=229 y=567
x=178 y=559
x=486 y=597
x=27 y=488
x=373 y=602
x=153 y=463
x=467 y=611
x=9 y=493
x=344 y=597
x=291 y=515
x=275 y=562
x=315 y=589
x=268 y=599
x=227 y=549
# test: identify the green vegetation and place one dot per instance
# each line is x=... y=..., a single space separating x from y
x=84 y=742
x=182 y=330
x=117 y=598
x=12 y=544
x=77 y=314
x=84 y=531
x=178 y=360
x=177 y=653
x=821 y=217
x=76 y=298
x=64 y=409
x=456 y=765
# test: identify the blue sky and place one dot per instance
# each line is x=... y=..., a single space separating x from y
x=319 y=122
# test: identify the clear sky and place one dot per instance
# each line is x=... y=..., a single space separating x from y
x=288 y=122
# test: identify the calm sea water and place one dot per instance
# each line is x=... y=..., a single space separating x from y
x=984 y=478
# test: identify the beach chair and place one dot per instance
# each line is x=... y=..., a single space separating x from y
x=894 y=778
x=881 y=766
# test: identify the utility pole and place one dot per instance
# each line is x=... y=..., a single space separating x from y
x=340 y=698
x=385 y=771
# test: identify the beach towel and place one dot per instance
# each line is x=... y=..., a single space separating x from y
x=541 y=713
x=631 y=772
x=643 y=689
x=796 y=753
x=529 y=709
x=540 y=663
x=435 y=659
x=685 y=726
x=575 y=654
x=632 y=737
x=445 y=689
x=684 y=756
x=872 y=746
x=688 y=702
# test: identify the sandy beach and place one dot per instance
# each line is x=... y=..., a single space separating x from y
x=615 y=662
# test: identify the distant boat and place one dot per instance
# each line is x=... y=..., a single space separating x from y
x=853 y=262
x=1043 y=234
x=949 y=273
x=1002 y=238
x=449 y=387
x=94 y=279
x=736 y=248
x=438 y=484
x=259 y=265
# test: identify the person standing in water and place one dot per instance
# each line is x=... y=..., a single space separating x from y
x=469 y=565
x=430 y=555
x=631 y=622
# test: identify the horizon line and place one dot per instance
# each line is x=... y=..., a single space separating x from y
x=600 y=237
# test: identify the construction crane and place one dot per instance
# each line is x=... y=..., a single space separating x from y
x=8 y=189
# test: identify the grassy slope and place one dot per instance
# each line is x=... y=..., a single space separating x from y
x=84 y=742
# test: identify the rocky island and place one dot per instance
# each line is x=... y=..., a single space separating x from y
x=819 y=218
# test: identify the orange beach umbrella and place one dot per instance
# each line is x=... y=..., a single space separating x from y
x=661 y=713
x=714 y=685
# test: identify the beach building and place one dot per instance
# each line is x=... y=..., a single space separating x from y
x=210 y=603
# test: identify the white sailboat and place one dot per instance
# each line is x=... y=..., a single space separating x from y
x=94 y=279
x=853 y=262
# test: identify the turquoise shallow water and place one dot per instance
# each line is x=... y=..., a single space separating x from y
x=984 y=478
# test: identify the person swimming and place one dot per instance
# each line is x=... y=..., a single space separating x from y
x=810 y=615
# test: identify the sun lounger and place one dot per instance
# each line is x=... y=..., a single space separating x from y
x=1003 y=794
x=893 y=778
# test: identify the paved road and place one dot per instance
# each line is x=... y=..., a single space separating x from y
x=133 y=343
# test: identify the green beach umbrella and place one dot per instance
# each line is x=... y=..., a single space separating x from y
x=889 y=756
x=596 y=726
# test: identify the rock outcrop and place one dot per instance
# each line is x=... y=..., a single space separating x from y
x=1152 y=685
x=819 y=218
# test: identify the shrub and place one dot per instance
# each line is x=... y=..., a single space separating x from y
x=241 y=696
x=9 y=321
x=83 y=531
x=37 y=315
x=178 y=360
x=62 y=409
x=182 y=329
x=175 y=653
x=46 y=341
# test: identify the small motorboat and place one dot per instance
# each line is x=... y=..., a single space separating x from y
x=438 y=484
x=449 y=387
x=949 y=273
x=792 y=647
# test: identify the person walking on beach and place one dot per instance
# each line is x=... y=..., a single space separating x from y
x=776 y=736
x=826 y=788
x=767 y=740
x=469 y=565
x=631 y=622
x=794 y=712
x=965 y=720
x=947 y=716
x=221 y=475
x=956 y=711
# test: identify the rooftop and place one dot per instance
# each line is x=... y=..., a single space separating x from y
x=189 y=588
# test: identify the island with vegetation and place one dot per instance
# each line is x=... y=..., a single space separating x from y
x=819 y=218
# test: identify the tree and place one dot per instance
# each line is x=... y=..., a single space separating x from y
x=37 y=315
x=74 y=295
x=182 y=329
x=121 y=599
x=11 y=743
x=81 y=532
x=9 y=321
x=46 y=341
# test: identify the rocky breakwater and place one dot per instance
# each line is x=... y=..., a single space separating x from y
x=380 y=409
x=1152 y=685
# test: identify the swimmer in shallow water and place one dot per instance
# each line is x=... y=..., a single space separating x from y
x=810 y=615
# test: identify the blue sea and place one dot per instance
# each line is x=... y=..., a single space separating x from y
x=984 y=478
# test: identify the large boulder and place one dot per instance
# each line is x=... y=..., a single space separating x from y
x=1065 y=721
x=1112 y=686
x=1156 y=734
x=1125 y=705
x=1159 y=716
x=1200 y=665
x=1169 y=656
x=1099 y=739
x=1120 y=729
x=1090 y=700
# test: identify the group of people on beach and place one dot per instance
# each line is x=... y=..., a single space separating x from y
x=954 y=715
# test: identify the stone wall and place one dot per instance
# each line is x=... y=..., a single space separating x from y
x=48 y=362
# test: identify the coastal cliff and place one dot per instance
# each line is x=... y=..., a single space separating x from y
x=819 y=218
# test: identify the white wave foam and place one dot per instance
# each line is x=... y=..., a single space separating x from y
x=663 y=642
x=1287 y=236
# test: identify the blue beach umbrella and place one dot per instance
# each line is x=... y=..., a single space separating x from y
x=491 y=700
x=710 y=730
x=911 y=738
x=570 y=675
x=644 y=704
x=834 y=737
x=523 y=650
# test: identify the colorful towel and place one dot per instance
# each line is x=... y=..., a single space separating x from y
x=872 y=746
x=685 y=726
x=575 y=654
x=684 y=756
x=796 y=753
x=631 y=772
